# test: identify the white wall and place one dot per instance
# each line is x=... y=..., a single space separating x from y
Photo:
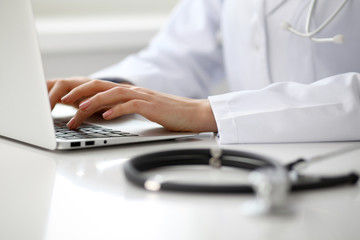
x=100 y=7
x=78 y=37
x=80 y=46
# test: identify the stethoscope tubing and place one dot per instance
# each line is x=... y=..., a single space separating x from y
x=135 y=167
x=311 y=34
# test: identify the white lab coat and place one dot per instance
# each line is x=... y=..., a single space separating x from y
x=284 y=88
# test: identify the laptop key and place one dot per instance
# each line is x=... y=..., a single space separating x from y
x=86 y=131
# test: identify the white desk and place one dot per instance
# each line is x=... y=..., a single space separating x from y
x=83 y=194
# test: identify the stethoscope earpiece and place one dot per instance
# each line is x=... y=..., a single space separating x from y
x=339 y=39
x=285 y=26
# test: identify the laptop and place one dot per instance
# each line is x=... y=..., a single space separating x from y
x=24 y=103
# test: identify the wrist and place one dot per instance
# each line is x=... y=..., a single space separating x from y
x=207 y=119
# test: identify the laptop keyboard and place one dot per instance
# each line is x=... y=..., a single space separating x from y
x=87 y=131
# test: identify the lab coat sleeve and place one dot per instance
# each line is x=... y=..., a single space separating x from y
x=184 y=58
x=326 y=110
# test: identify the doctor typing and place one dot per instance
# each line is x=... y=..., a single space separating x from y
x=292 y=67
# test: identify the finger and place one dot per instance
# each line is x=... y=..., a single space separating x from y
x=87 y=89
x=103 y=100
x=111 y=97
x=58 y=89
x=133 y=106
x=50 y=83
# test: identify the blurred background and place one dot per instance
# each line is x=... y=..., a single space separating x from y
x=79 y=37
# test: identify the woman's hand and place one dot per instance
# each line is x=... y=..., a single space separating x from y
x=91 y=96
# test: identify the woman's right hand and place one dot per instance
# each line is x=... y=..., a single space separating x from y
x=91 y=96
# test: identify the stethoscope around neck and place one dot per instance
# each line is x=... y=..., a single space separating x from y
x=339 y=39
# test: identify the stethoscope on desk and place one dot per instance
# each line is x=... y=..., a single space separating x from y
x=339 y=39
x=269 y=180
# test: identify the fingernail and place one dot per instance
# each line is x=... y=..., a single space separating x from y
x=84 y=105
x=71 y=123
x=64 y=98
x=107 y=113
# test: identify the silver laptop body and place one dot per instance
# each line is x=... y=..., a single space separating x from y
x=24 y=104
